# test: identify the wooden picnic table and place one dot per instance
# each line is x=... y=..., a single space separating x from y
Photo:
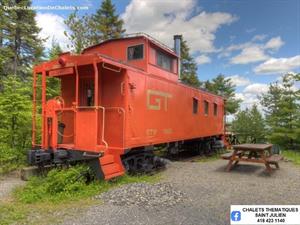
x=257 y=153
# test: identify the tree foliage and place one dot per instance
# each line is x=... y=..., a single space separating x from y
x=53 y=83
x=188 y=67
x=106 y=23
x=20 y=44
x=223 y=86
x=282 y=109
x=91 y=29
x=80 y=36
x=55 y=50
x=249 y=126
x=15 y=112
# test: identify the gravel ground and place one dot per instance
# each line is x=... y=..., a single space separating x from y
x=205 y=192
x=143 y=195
x=8 y=183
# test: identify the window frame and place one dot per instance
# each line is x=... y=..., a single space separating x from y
x=206 y=109
x=195 y=108
x=157 y=51
x=130 y=46
x=215 y=109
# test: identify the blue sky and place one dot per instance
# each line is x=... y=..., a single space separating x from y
x=253 y=42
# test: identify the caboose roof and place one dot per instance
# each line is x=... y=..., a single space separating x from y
x=136 y=36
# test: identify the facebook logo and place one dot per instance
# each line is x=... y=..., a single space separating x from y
x=235 y=215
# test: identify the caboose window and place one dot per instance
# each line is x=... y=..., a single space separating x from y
x=206 y=107
x=135 y=52
x=215 y=109
x=163 y=61
x=86 y=92
x=195 y=105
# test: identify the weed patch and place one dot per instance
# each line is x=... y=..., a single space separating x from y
x=294 y=156
x=61 y=191
x=213 y=157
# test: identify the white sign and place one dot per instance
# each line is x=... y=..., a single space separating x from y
x=265 y=214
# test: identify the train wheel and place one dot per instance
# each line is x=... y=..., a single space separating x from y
x=142 y=162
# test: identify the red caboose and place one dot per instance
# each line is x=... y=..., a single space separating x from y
x=119 y=99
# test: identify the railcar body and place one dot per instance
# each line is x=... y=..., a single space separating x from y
x=118 y=99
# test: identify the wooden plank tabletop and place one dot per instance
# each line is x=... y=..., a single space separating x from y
x=247 y=147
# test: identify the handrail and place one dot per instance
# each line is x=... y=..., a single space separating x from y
x=103 y=126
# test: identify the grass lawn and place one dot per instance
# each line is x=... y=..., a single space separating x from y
x=294 y=156
x=213 y=157
x=50 y=199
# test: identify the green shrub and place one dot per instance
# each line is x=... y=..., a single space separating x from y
x=58 y=184
x=294 y=156
x=10 y=158
x=70 y=184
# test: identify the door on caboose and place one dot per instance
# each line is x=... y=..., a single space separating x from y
x=111 y=125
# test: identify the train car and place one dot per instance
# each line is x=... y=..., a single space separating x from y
x=118 y=100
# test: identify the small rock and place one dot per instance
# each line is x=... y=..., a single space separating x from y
x=143 y=194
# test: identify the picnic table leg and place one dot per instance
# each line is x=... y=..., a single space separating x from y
x=267 y=164
x=229 y=165
x=237 y=161
x=269 y=169
x=275 y=164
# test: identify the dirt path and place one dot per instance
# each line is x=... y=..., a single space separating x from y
x=8 y=183
x=209 y=192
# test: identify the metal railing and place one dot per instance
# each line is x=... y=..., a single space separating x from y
x=150 y=38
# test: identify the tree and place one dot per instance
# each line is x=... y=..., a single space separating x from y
x=55 y=50
x=4 y=50
x=223 y=86
x=53 y=83
x=249 y=126
x=90 y=30
x=106 y=23
x=21 y=46
x=80 y=35
x=188 y=67
x=282 y=110
x=15 y=112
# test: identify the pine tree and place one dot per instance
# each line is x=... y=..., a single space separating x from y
x=90 y=30
x=20 y=40
x=55 y=50
x=188 y=66
x=282 y=109
x=53 y=83
x=249 y=126
x=223 y=86
x=106 y=23
x=80 y=35
x=5 y=51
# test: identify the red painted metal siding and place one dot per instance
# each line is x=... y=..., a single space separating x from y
x=118 y=50
x=162 y=111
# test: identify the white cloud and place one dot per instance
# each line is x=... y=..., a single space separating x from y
x=249 y=55
x=274 y=43
x=247 y=100
x=239 y=81
x=256 y=88
x=252 y=51
x=278 y=65
x=163 y=19
x=259 y=37
x=202 y=59
x=249 y=96
x=53 y=27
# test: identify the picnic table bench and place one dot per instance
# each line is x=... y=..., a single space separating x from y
x=257 y=153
